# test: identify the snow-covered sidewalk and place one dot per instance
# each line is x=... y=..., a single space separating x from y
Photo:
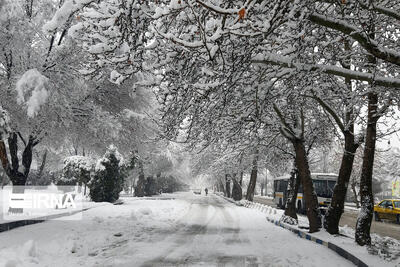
x=182 y=229
x=384 y=251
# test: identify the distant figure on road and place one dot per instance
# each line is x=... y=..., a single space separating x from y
x=206 y=190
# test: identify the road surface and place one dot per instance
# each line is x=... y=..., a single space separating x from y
x=217 y=233
x=183 y=230
x=349 y=218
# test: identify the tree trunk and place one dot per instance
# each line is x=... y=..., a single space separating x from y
x=236 y=189
x=293 y=188
x=222 y=187
x=241 y=179
x=141 y=183
x=311 y=200
x=266 y=183
x=262 y=189
x=227 y=185
x=12 y=170
x=43 y=164
x=353 y=188
x=336 y=208
x=364 y=219
x=253 y=179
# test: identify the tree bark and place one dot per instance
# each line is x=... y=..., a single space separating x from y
x=43 y=164
x=141 y=183
x=262 y=189
x=221 y=186
x=253 y=179
x=311 y=200
x=353 y=188
x=293 y=188
x=227 y=185
x=363 y=225
x=266 y=183
x=236 y=189
x=336 y=208
x=16 y=176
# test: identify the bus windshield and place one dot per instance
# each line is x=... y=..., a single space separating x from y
x=331 y=186
x=324 y=188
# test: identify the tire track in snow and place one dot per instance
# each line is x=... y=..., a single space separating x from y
x=196 y=225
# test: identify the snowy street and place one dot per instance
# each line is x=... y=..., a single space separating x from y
x=175 y=230
x=141 y=133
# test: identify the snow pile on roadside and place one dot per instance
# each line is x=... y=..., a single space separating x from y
x=102 y=232
x=383 y=251
x=386 y=247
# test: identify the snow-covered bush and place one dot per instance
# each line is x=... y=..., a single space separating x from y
x=4 y=124
x=108 y=180
x=76 y=170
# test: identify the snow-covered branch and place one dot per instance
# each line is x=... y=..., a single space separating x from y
x=285 y=130
x=330 y=110
x=371 y=5
x=357 y=34
x=287 y=62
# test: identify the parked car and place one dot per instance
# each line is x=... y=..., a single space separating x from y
x=388 y=209
x=197 y=191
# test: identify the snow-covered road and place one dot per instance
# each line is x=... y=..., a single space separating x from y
x=180 y=230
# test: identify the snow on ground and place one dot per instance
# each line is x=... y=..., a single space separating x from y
x=179 y=229
x=383 y=252
x=264 y=197
x=351 y=206
x=82 y=203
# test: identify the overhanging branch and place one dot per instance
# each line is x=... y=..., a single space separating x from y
x=272 y=59
x=331 y=112
x=376 y=7
x=357 y=34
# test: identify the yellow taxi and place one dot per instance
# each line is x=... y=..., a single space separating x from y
x=388 y=209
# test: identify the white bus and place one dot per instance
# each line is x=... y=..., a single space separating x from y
x=323 y=186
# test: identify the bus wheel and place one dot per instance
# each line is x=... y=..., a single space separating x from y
x=376 y=215
x=398 y=218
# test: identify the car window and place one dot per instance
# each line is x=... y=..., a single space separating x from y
x=386 y=203
x=396 y=204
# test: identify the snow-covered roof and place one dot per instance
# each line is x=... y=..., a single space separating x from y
x=313 y=174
